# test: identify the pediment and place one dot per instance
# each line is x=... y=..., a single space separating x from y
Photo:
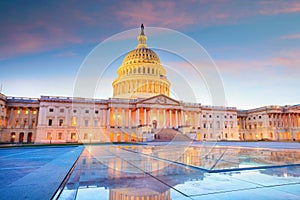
x=160 y=99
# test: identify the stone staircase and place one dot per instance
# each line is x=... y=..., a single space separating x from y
x=168 y=134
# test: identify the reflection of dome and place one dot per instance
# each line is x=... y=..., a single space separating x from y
x=141 y=75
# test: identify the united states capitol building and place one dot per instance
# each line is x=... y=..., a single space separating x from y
x=141 y=109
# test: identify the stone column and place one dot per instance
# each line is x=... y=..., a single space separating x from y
x=101 y=118
x=298 y=120
x=150 y=117
x=182 y=118
x=108 y=118
x=66 y=123
x=145 y=117
x=123 y=118
x=11 y=116
x=116 y=118
x=29 y=118
x=200 y=120
x=164 y=122
x=158 y=120
x=170 y=120
x=176 y=119
x=137 y=114
x=289 y=120
x=129 y=118
x=195 y=120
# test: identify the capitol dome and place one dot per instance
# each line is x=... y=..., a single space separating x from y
x=141 y=75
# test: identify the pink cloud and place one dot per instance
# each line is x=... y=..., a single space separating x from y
x=278 y=7
x=164 y=14
x=288 y=61
x=293 y=36
x=205 y=13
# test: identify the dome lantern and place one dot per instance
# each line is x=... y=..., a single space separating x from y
x=142 y=39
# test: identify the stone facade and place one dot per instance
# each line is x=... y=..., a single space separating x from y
x=277 y=123
x=68 y=120
x=19 y=118
x=140 y=108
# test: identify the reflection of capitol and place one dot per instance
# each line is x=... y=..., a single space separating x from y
x=128 y=176
x=145 y=172
x=141 y=106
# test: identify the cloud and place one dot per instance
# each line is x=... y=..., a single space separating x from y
x=290 y=37
x=154 y=13
x=278 y=7
x=289 y=59
x=67 y=54
x=40 y=27
x=280 y=64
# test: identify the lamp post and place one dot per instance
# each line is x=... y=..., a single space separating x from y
x=90 y=138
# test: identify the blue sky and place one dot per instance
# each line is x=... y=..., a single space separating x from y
x=255 y=44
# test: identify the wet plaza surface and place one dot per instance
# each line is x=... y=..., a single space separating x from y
x=152 y=171
x=184 y=171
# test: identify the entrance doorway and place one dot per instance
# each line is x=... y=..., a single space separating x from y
x=154 y=123
x=21 y=137
x=29 y=137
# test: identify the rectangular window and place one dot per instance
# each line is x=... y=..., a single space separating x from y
x=33 y=123
x=49 y=136
x=61 y=122
x=51 y=109
x=87 y=111
x=204 y=125
x=61 y=110
x=85 y=137
x=50 y=122
x=59 y=136
x=86 y=123
x=95 y=123
x=73 y=136
x=211 y=125
x=73 y=121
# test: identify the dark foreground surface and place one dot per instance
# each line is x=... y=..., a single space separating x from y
x=35 y=172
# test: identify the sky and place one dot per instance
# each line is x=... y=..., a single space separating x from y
x=255 y=45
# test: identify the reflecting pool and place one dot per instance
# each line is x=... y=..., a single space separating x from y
x=154 y=172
